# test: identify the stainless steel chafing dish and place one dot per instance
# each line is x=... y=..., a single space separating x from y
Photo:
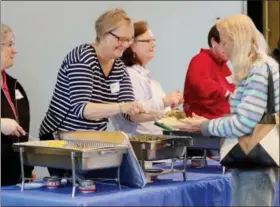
x=71 y=154
x=57 y=154
x=159 y=147
x=199 y=141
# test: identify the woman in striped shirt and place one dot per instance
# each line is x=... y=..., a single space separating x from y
x=250 y=187
x=92 y=83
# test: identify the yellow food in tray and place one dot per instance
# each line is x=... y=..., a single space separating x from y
x=67 y=145
x=56 y=143
x=145 y=138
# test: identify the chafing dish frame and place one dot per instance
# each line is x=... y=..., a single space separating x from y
x=200 y=141
x=75 y=154
x=164 y=144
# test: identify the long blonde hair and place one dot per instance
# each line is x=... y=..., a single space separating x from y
x=241 y=34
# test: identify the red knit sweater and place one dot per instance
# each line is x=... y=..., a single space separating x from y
x=206 y=86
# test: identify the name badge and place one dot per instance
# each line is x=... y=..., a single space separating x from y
x=18 y=95
x=115 y=87
x=230 y=79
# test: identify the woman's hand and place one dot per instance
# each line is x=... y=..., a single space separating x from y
x=173 y=99
x=132 y=108
x=157 y=114
x=192 y=124
x=33 y=175
x=11 y=127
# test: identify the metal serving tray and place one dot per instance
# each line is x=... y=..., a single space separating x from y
x=87 y=154
x=199 y=141
x=159 y=147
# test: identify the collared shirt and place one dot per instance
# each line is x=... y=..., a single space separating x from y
x=5 y=90
x=150 y=93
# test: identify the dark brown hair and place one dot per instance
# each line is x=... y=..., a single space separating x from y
x=129 y=58
x=276 y=53
x=213 y=33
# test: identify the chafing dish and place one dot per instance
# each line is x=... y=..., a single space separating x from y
x=159 y=147
x=88 y=154
x=75 y=155
x=199 y=141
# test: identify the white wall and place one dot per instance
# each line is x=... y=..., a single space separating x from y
x=46 y=31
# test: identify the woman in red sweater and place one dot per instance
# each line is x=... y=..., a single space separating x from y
x=207 y=90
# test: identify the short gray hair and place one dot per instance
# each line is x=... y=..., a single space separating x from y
x=109 y=21
x=5 y=29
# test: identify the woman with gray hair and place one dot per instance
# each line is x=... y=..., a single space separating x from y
x=15 y=114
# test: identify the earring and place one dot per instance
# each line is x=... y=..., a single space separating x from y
x=134 y=55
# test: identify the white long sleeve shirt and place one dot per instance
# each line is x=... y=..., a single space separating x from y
x=150 y=93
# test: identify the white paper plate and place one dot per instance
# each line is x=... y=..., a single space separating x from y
x=31 y=185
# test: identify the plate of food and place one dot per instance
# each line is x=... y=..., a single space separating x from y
x=174 y=119
x=171 y=122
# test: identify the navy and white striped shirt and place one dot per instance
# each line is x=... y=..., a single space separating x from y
x=81 y=80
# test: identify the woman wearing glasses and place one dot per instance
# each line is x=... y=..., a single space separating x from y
x=15 y=116
x=92 y=83
x=146 y=89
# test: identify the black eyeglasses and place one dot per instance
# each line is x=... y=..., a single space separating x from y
x=9 y=44
x=147 y=41
x=122 y=39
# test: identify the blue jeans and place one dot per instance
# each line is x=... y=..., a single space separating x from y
x=253 y=187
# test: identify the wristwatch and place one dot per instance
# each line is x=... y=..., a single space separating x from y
x=120 y=106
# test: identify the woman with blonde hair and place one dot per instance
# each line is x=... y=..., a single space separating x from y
x=252 y=185
x=15 y=114
x=93 y=84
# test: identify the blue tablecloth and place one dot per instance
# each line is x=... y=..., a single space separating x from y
x=204 y=187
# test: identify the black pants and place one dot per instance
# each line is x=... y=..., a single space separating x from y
x=54 y=171
x=10 y=166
